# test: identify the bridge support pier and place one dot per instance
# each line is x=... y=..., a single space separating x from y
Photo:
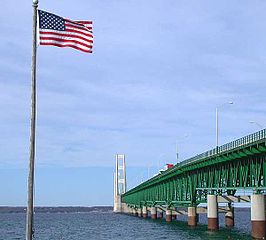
x=139 y=212
x=174 y=216
x=212 y=212
x=153 y=212
x=135 y=212
x=258 y=216
x=192 y=216
x=229 y=216
x=144 y=212
x=168 y=215
x=160 y=214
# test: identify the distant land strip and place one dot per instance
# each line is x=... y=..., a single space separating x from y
x=5 y=209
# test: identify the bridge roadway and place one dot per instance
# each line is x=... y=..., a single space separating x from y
x=212 y=177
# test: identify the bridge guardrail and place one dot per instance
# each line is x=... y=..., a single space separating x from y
x=254 y=137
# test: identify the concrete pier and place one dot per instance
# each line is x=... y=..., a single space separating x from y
x=139 y=212
x=117 y=204
x=135 y=213
x=131 y=211
x=229 y=216
x=168 y=215
x=144 y=212
x=258 y=216
x=153 y=212
x=192 y=216
x=212 y=212
x=160 y=214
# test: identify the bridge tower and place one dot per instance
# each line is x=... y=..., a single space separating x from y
x=120 y=184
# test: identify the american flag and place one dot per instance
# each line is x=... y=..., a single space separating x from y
x=61 y=32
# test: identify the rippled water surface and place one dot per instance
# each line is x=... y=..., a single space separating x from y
x=107 y=225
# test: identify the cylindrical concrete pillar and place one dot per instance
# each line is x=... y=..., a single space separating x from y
x=131 y=211
x=135 y=212
x=160 y=214
x=258 y=216
x=192 y=216
x=168 y=215
x=212 y=211
x=229 y=216
x=144 y=212
x=153 y=212
x=139 y=212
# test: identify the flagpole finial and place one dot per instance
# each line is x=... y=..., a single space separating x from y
x=35 y=2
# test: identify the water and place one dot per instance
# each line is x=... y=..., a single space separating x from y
x=103 y=224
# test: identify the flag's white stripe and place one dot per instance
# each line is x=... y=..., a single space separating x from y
x=75 y=36
x=66 y=44
x=68 y=32
x=88 y=25
x=65 y=38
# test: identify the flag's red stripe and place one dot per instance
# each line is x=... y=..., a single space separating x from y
x=66 y=35
x=76 y=31
x=67 y=45
x=76 y=24
x=87 y=29
x=79 y=26
x=68 y=30
x=64 y=40
x=85 y=22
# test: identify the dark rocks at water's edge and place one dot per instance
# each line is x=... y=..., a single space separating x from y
x=57 y=209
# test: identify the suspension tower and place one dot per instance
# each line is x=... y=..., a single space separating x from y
x=120 y=183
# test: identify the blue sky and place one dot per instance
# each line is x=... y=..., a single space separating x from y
x=158 y=71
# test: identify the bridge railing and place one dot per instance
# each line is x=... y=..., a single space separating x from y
x=249 y=139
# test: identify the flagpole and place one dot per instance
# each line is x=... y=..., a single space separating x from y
x=30 y=208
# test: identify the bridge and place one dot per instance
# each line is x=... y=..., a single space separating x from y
x=199 y=184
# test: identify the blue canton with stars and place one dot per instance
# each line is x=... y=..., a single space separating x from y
x=51 y=21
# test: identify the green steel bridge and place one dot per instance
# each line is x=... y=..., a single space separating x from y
x=237 y=165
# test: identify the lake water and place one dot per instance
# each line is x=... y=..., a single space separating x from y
x=103 y=224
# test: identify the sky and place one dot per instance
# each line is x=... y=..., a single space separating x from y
x=158 y=71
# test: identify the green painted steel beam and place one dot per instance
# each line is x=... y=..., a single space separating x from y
x=236 y=165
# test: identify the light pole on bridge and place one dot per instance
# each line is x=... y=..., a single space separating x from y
x=176 y=144
x=217 y=122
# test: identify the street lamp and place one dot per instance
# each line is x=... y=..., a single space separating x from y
x=259 y=125
x=177 y=153
x=217 y=122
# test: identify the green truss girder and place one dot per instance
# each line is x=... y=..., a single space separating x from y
x=240 y=168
